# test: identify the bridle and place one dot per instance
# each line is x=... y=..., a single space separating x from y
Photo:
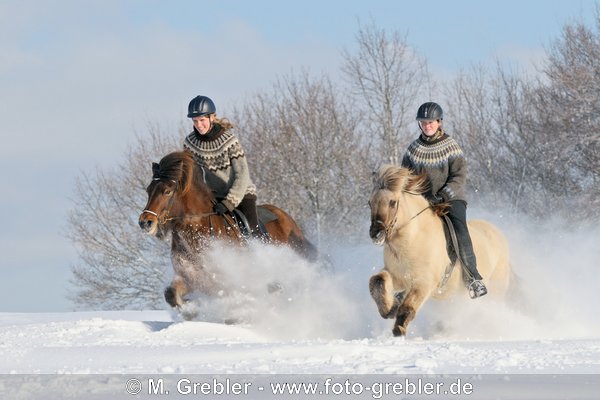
x=169 y=205
x=166 y=217
x=450 y=267
x=391 y=226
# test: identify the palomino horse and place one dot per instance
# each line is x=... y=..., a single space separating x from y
x=179 y=202
x=415 y=253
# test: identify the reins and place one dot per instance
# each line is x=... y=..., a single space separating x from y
x=166 y=219
x=228 y=219
x=450 y=267
x=391 y=226
x=410 y=220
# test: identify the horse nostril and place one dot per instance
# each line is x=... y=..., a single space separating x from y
x=373 y=231
x=375 y=228
x=145 y=224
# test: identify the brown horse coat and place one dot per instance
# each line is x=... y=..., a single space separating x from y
x=180 y=203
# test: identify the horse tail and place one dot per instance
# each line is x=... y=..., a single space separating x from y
x=303 y=247
x=311 y=253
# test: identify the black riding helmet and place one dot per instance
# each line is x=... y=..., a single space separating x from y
x=430 y=111
x=201 y=105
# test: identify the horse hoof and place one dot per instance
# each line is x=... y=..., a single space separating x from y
x=171 y=297
x=399 y=331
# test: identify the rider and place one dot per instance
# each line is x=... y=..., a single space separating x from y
x=442 y=159
x=220 y=155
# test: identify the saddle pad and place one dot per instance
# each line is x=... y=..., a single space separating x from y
x=265 y=215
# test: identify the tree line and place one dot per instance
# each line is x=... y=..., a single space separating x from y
x=531 y=144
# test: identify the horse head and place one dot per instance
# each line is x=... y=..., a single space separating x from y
x=387 y=201
x=171 y=181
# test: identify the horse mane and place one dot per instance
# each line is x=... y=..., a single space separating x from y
x=181 y=167
x=399 y=179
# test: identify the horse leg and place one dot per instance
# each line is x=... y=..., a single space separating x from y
x=381 y=288
x=407 y=310
x=175 y=292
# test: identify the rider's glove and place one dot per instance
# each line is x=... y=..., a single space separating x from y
x=435 y=199
x=221 y=209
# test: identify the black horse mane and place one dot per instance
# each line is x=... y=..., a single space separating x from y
x=181 y=167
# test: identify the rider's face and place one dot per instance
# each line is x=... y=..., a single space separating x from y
x=202 y=124
x=429 y=128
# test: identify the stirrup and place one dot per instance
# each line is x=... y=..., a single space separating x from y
x=477 y=289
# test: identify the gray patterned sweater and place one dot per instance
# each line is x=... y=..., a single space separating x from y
x=443 y=160
x=223 y=160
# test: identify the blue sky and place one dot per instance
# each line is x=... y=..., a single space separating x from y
x=78 y=79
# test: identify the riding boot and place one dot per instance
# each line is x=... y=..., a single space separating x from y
x=458 y=216
x=248 y=208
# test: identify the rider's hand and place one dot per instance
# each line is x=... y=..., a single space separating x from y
x=435 y=199
x=221 y=209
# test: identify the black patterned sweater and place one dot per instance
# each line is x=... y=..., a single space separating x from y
x=443 y=160
x=223 y=160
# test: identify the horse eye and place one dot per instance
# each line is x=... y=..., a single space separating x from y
x=168 y=192
x=393 y=203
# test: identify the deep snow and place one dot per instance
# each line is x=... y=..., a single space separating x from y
x=327 y=324
x=150 y=342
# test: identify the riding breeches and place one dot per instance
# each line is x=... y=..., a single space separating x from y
x=248 y=208
x=458 y=216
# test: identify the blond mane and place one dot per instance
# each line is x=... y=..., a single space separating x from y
x=398 y=179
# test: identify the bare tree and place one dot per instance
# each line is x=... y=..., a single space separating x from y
x=388 y=79
x=307 y=155
x=567 y=105
x=119 y=266
x=468 y=118
x=489 y=115
x=533 y=143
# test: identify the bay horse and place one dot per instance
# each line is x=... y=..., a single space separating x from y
x=415 y=253
x=181 y=203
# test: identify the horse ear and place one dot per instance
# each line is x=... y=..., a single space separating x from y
x=155 y=170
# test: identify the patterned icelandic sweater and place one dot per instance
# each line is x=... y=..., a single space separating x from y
x=223 y=160
x=443 y=160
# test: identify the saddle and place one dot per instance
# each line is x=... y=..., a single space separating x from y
x=264 y=217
